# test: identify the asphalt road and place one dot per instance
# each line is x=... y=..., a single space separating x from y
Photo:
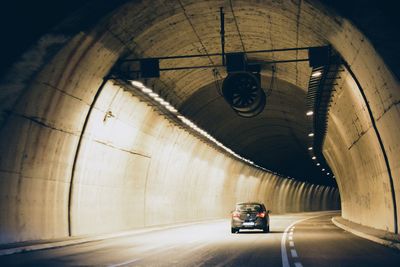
x=303 y=239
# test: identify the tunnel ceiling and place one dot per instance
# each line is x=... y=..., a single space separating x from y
x=278 y=138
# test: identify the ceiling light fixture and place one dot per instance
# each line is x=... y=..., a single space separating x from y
x=314 y=157
x=137 y=84
x=146 y=90
x=310 y=148
x=310 y=113
x=153 y=95
x=311 y=134
x=316 y=74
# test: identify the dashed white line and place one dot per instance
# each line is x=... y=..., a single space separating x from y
x=124 y=263
x=298 y=264
x=285 y=260
x=291 y=243
x=294 y=253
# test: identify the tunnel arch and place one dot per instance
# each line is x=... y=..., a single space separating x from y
x=48 y=92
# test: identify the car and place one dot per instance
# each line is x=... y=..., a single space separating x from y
x=250 y=215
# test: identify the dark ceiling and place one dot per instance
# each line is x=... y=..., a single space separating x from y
x=24 y=21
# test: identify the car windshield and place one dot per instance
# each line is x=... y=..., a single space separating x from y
x=249 y=207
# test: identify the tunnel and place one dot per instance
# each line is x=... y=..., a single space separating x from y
x=86 y=151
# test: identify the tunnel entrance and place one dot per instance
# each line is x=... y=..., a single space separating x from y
x=131 y=159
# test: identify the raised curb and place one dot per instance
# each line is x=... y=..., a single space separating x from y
x=374 y=238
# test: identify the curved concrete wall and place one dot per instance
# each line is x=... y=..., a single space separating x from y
x=352 y=146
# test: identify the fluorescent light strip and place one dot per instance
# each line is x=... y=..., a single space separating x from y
x=316 y=74
x=187 y=122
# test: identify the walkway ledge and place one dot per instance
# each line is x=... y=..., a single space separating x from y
x=378 y=236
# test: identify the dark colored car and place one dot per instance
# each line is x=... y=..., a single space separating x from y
x=250 y=215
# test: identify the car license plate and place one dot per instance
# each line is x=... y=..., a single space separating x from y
x=248 y=224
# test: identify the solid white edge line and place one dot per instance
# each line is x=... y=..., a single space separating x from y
x=285 y=259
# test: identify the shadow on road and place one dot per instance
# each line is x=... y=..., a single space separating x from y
x=250 y=232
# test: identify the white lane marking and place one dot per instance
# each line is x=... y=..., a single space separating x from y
x=298 y=264
x=294 y=253
x=285 y=260
x=291 y=243
x=290 y=233
x=124 y=263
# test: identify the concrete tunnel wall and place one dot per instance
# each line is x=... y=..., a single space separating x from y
x=45 y=100
x=352 y=146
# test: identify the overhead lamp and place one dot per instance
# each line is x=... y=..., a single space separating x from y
x=316 y=74
x=172 y=109
x=164 y=103
x=323 y=169
x=314 y=157
x=327 y=173
x=310 y=113
x=310 y=148
x=137 y=84
x=153 y=95
x=311 y=134
x=318 y=164
x=158 y=99
x=146 y=90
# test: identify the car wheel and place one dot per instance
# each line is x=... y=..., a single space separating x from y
x=233 y=230
x=266 y=229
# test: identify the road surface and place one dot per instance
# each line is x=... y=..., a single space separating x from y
x=301 y=239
